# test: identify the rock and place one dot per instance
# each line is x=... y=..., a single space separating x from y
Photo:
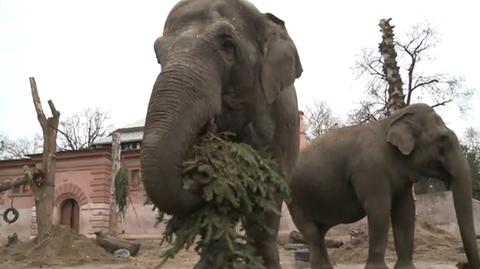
x=297 y=237
x=302 y=255
x=121 y=253
x=330 y=243
x=12 y=240
x=294 y=246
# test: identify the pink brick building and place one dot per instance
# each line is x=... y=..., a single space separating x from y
x=82 y=190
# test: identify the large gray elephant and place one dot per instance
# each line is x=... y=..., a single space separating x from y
x=368 y=170
x=225 y=67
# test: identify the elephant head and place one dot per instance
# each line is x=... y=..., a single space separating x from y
x=434 y=151
x=221 y=60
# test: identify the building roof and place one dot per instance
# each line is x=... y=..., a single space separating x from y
x=138 y=123
x=132 y=132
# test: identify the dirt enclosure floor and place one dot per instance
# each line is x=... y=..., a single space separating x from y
x=434 y=248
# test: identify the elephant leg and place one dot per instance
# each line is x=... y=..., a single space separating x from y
x=315 y=237
x=316 y=245
x=378 y=213
x=403 y=224
x=266 y=243
x=317 y=249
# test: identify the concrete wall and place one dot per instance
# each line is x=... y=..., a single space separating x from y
x=139 y=222
x=435 y=208
x=438 y=208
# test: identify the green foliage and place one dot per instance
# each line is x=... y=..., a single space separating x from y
x=121 y=189
x=245 y=185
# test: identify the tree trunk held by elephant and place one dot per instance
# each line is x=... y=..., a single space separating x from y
x=225 y=67
x=368 y=170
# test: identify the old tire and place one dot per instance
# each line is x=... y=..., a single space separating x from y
x=6 y=215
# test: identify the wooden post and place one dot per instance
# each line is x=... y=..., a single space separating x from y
x=396 y=98
x=43 y=184
x=116 y=156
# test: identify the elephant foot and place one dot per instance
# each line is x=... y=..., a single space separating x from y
x=272 y=264
x=405 y=266
x=381 y=265
x=463 y=265
x=323 y=266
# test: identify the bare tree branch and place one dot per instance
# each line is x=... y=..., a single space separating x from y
x=13 y=183
x=80 y=131
x=442 y=103
x=423 y=84
x=20 y=148
x=471 y=139
x=319 y=119
x=38 y=105
x=414 y=47
x=54 y=111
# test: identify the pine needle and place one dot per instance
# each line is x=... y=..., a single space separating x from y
x=246 y=184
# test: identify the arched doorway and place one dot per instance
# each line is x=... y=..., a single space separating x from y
x=70 y=214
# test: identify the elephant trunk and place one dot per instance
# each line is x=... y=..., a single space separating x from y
x=185 y=97
x=461 y=184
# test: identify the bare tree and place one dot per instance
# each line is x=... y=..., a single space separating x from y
x=414 y=54
x=3 y=146
x=396 y=98
x=80 y=131
x=471 y=139
x=319 y=118
x=19 y=148
x=471 y=148
x=44 y=187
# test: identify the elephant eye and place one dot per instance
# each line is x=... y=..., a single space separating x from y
x=227 y=43
x=442 y=142
x=441 y=150
x=443 y=139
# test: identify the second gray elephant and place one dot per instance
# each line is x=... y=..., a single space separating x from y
x=368 y=170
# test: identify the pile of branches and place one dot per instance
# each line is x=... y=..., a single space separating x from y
x=246 y=184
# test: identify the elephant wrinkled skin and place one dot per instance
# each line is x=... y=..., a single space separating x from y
x=225 y=67
x=368 y=170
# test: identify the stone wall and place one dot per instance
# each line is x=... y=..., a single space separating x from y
x=435 y=208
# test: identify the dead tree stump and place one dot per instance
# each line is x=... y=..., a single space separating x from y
x=111 y=243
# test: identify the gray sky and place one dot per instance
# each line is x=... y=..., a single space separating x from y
x=100 y=53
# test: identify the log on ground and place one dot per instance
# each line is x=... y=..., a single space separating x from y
x=111 y=243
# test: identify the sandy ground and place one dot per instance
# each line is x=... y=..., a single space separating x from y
x=149 y=258
x=186 y=260
x=66 y=250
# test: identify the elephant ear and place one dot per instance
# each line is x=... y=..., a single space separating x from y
x=281 y=64
x=400 y=133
